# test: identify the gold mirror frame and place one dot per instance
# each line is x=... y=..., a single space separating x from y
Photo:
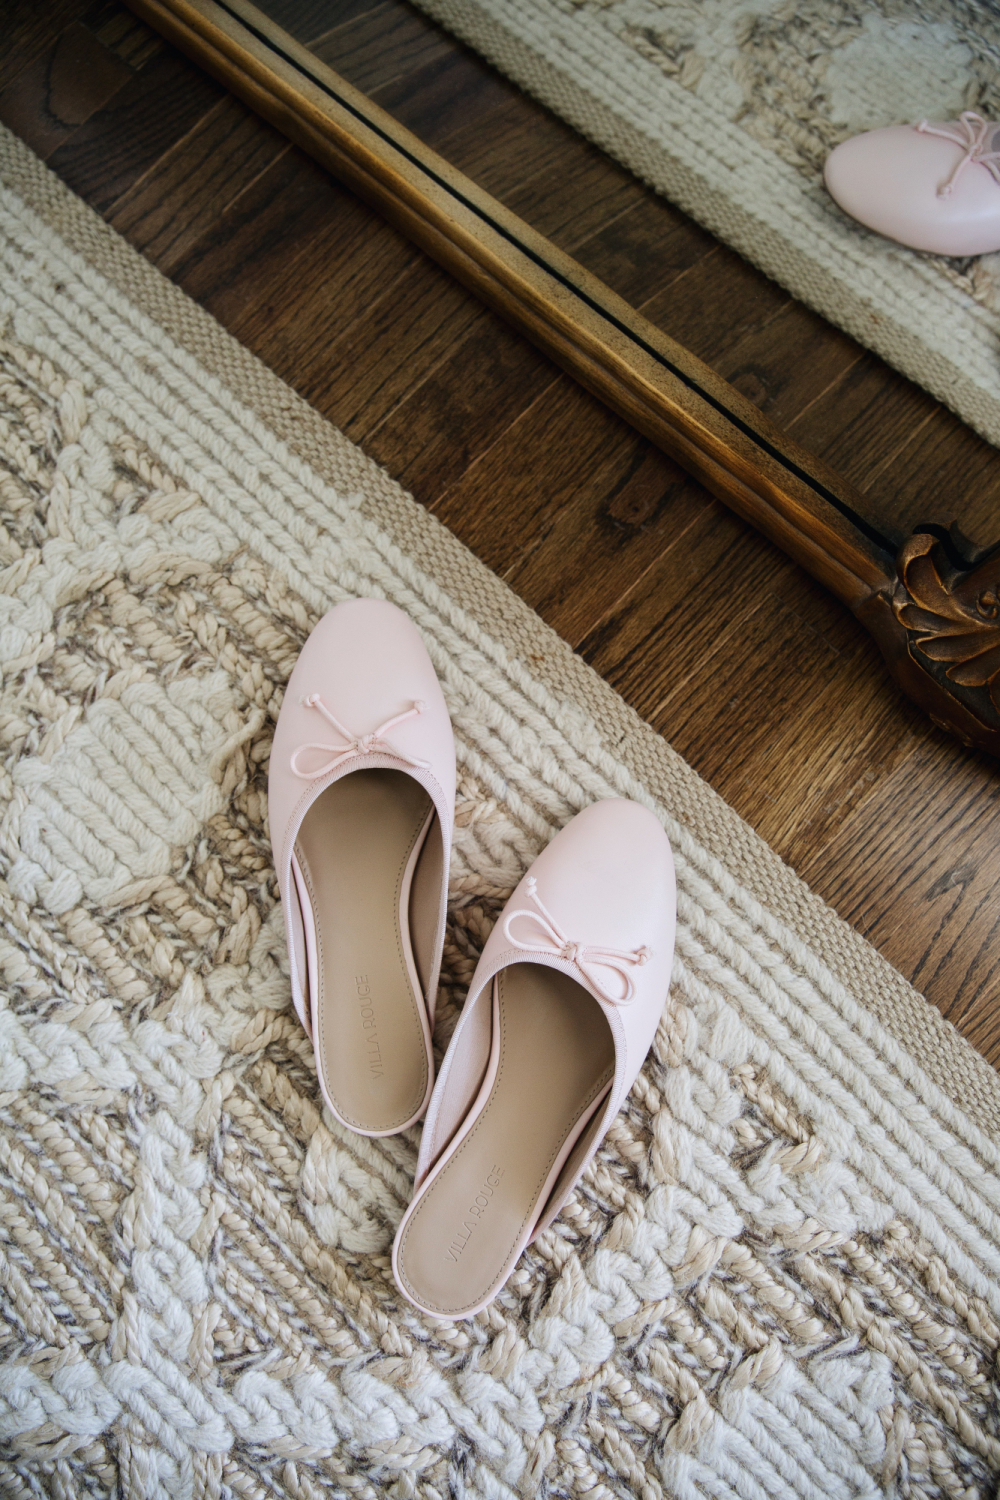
x=932 y=606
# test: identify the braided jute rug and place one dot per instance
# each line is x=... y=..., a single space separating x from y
x=730 y=107
x=781 y=1277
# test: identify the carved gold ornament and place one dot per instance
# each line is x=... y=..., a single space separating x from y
x=957 y=622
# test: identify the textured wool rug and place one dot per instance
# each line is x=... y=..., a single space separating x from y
x=782 y=1275
x=730 y=107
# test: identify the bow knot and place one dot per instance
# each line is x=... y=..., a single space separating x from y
x=586 y=957
x=355 y=745
x=973 y=135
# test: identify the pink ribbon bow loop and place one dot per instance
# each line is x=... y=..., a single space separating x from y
x=587 y=957
x=354 y=745
x=973 y=135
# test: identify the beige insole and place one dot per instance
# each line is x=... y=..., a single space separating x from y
x=556 y=1059
x=355 y=850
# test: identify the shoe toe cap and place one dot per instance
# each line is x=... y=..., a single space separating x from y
x=608 y=879
x=366 y=660
x=889 y=180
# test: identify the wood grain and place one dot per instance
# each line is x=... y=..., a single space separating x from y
x=175 y=201
x=768 y=687
x=648 y=378
x=383 y=44
x=61 y=88
x=158 y=105
x=31 y=31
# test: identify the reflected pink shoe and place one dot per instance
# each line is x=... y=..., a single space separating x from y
x=361 y=797
x=933 y=187
x=563 y=1008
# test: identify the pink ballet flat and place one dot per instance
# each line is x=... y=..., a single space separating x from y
x=361 y=796
x=563 y=1008
x=933 y=187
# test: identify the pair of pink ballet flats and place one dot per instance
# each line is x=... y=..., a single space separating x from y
x=564 y=1002
x=932 y=187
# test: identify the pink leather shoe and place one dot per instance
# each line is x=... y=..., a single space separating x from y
x=933 y=187
x=563 y=1008
x=361 y=797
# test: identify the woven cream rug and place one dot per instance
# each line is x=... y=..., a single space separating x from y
x=730 y=107
x=781 y=1277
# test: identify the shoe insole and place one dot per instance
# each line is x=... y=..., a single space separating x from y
x=556 y=1058
x=356 y=850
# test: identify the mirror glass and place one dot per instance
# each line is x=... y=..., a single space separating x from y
x=912 y=458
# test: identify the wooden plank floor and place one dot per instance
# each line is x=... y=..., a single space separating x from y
x=763 y=682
